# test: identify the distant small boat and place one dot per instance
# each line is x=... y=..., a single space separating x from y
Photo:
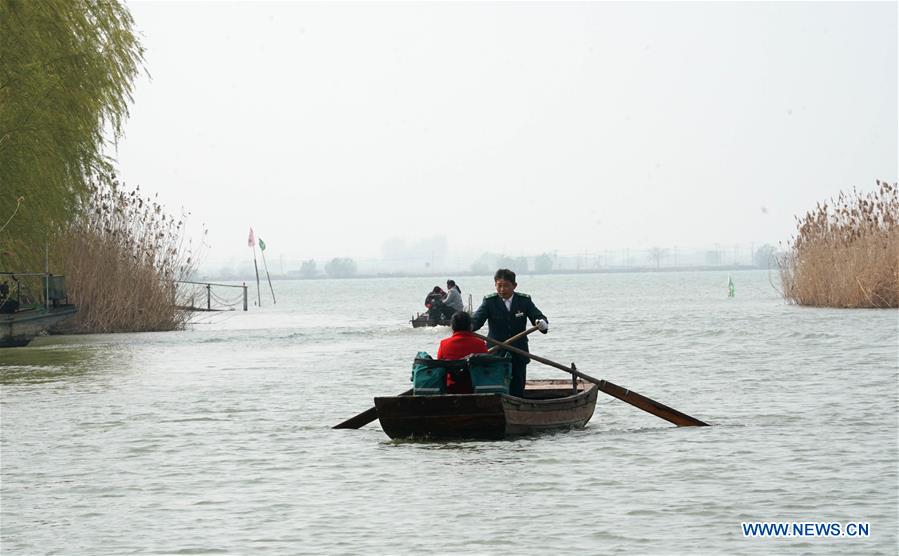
x=19 y=328
x=547 y=405
x=421 y=320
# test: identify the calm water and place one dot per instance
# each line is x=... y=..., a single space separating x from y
x=218 y=439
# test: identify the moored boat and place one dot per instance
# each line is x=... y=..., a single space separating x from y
x=546 y=405
x=19 y=328
x=26 y=312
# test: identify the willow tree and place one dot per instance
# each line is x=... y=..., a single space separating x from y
x=67 y=70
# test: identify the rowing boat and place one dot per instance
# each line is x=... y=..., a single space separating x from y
x=546 y=405
x=420 y=320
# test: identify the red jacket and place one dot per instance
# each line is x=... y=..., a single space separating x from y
x=460 y=344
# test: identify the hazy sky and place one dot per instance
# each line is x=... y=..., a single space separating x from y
x=509 y=127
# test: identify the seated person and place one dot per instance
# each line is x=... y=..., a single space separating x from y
x=8 y=305
x=434 y=303
x=453 y=300
x=463 y=342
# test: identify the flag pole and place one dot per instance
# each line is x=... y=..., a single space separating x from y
x=258 y=295
x=252 y=242
x=267 y=275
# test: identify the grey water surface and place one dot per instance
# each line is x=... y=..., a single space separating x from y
x=218 y=439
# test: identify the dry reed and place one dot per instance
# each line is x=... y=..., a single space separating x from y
x=122 y=257
x=846 y=254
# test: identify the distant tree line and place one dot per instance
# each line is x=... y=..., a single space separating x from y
x=338 y=267
x=341 y=268
x=659 y=258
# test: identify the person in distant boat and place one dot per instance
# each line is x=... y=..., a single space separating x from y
x=457 y=346
x=434 y=303
x=434 y=296
x=506 y=314
x=451 y=285
x=8 y=305
x=453 y=301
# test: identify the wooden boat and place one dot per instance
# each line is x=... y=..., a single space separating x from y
x=23 y=314
x=546 y=405
x=421 y=320
x=19 y=328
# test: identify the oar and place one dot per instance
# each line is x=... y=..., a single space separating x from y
x=371 y=413
x=623 y=394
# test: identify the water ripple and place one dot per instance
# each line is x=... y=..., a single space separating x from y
x=218 y=440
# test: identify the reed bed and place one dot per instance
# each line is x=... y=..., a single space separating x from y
x=846 y=252
x=122 y=257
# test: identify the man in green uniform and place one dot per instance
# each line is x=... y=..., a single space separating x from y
x=506 y=314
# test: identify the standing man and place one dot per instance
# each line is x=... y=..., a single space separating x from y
x=506 y=314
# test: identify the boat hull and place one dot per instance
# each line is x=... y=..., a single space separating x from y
x=19 y=328
x=547 y=405
x=421 y=320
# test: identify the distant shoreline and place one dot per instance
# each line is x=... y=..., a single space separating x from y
x=451 y=274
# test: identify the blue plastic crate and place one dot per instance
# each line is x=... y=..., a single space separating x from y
x=490 y=374
x=429 y=381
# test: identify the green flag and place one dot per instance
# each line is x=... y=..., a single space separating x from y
x=261 y=245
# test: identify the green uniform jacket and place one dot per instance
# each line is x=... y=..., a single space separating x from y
x=503 y=323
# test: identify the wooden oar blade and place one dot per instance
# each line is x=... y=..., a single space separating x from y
x=628 y=396
x=359 y=421
x=649 y=405
x=364 y=418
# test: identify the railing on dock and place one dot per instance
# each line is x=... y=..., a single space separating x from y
x=203 y=290
x=30 y=289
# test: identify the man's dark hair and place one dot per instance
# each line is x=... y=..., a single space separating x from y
x=461 y=321
x=504 y=274
x=450 y=284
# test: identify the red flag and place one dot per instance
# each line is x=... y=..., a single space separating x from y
x=251 y=241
